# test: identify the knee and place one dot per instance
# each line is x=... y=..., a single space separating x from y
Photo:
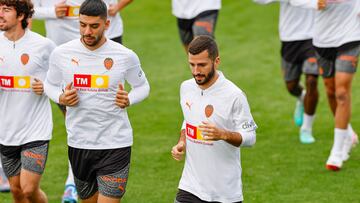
x=28 y=191
x=342 y=96
x=311 y=83
x=16 y=191
x=294 y=88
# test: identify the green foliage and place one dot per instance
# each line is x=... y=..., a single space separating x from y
x=277 y=169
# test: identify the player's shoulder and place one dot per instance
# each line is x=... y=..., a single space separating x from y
x=68 y=46
x=188 y=84
x=39 y=39
x=119 y=48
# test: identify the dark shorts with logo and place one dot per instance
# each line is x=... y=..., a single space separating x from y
x=31 y=156
x=338 y=59
x=105 y=171
x=202 y=24
x=186 y=197
x=298 y=57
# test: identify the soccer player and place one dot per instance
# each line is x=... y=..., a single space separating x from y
x=217 y=122
x=298 y=56
x=26 y=120
x=195 y=17
x=62 y=25
x=99 y=132
x=337 y=43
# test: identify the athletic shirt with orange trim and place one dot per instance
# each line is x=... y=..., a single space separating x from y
x=62 y=30
x=212 y=169
x=25 y=116
x=188 y=9
x=96 y=122
x=338 y=24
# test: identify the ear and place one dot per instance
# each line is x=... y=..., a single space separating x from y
x=20 y=17
x=107 y=24
x=217 y=62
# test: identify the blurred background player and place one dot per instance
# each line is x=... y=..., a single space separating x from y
x=195 y=17
x=298 y=56
x=26 y=122
x=217 y=123
x=337 y=43
x=62 y=25
x=98 y=128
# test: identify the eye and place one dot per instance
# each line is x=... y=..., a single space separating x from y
x=94 y=26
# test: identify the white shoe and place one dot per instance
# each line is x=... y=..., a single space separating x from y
x=347 y=148
x=335 y=161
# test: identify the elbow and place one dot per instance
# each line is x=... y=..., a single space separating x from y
x=248 y=139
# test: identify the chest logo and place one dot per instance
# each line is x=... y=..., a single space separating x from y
x=188 y=105
x=209 y=109
x=75 y=61
x=108 y=63
x=1 y=60
x=24 y=58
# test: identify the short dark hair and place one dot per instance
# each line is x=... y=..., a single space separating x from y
x=94 y=8
x=202 y=43
x=22 y=7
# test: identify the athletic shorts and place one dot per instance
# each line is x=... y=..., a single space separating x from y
x=339 y=59
x=298 y=57
x=117 y=39
x=31 y=157
x=202 y=24
x=186 y=197
x=105 y=171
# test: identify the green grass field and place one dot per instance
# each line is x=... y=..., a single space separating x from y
x=277 y=169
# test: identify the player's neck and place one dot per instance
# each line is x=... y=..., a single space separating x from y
x=211 y=82
x=15 y=33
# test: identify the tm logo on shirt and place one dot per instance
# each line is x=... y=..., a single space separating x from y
x=18 y=82
x=91 y=81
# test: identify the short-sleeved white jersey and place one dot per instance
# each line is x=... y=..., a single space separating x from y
x=65 y=29
x=188 y=9
x=212 y=169
x=296 y=22
x=25 y=116
x=338 y=24
x=96 y=122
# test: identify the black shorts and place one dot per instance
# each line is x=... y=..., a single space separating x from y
x=31 y=156
x=338 y=59
x=298 y=57
x=202 y=24
x=117 y=39
x=105 y=171
x=186 y=197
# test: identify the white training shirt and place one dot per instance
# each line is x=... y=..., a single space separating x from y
x=212 y=169
x=25 y=116
x=96 y=122
x=188 y=9
x=295 y=22
x=338 y=24
x=62 y=30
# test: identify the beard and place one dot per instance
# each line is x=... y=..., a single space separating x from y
x=206 y=78
x=94 y=40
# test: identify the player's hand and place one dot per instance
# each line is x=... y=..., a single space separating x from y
x=113 y=9
x=69 y=97
x=37 y=86
x=210 y=132
x=61 y=9
x=122 y=98
x=178 y=151
x=322 y=4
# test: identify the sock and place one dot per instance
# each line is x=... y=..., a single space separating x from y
x=70 y=178
x=302 y=96
x=339 y=137
x=307 y=122
x=350 y=130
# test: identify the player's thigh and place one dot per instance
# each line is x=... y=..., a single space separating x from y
x=347 y=58
x=11 y=160
x=326 y=61
x=34 y=156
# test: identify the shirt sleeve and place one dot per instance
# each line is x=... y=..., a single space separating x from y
x=53 y=82
x=265 y=1
x=135 y=76
x=312 y=4
x=244 y=121
x=43 y=12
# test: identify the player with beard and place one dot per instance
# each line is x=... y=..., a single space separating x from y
x=217 y=122
x=26 y=120
x=99 y=131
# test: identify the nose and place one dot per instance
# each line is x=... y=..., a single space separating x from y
x=88 y=30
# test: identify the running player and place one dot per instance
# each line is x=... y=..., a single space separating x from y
x=298 y=56
x=26 y=122
x=195 y=17
x=337 y=42
x=62 y=25
x=99 y=132
x=217 y=122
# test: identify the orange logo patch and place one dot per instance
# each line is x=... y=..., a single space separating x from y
x=108 y=63
x=209 y=109
x=321 y=71
x=24 y=59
